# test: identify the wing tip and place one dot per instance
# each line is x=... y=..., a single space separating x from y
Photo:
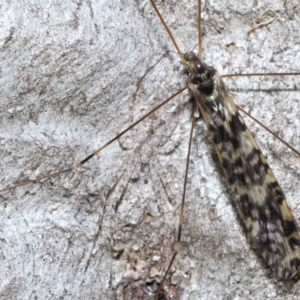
x=289 y=269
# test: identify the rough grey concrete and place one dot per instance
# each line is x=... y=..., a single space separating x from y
x=69 y=75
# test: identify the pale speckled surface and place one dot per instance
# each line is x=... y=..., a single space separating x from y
x=68 y=75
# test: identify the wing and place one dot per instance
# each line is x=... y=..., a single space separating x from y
x=260 y=200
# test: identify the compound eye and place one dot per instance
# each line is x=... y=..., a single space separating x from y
x=199 y=68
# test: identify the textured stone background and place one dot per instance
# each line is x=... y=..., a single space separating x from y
x=69 y=77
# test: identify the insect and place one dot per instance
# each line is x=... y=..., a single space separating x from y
x=56 y=209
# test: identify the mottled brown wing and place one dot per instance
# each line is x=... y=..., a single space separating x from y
x=260 y=200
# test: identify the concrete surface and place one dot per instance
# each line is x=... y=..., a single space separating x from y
x=69 y=77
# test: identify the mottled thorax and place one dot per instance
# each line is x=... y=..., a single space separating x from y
x=202 y=82
x=200 y=73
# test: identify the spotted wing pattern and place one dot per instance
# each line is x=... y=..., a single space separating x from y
x=260 y=200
